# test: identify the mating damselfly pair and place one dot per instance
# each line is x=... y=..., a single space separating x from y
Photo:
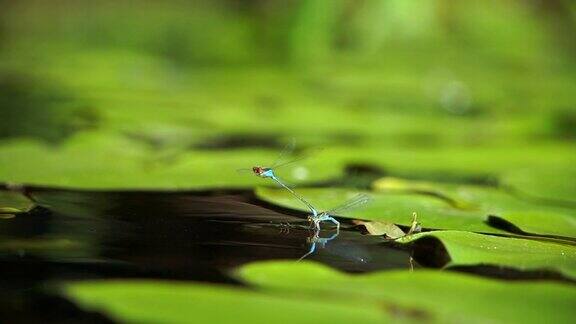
x=316 y=217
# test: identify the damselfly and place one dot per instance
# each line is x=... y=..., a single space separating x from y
x=269 y=172
x=355 y=202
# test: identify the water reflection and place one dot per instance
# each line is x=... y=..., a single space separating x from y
x=179 y=235
x=315 y=239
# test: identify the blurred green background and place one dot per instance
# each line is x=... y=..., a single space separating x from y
x=179 y=94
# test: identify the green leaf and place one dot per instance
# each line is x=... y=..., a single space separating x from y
x=388 y=207
x=437 y=296
x=467 y=248
x=148 y=301
x=388 y=229
x=454 y=163
x=553 y=185
x=105 y=161
x=48 y=245
x=529 y=216
x=13 y=203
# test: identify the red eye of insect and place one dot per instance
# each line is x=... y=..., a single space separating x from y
x=257 y=170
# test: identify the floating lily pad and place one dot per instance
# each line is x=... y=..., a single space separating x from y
x=39 y=245
x=112 y=161
x=452 y=163
x=430 y=295
x=465 y=248
x=13 y=203
x=551 y=186
x=141 y=301
x=389 y=207
x=529 y=216
x=153 y=156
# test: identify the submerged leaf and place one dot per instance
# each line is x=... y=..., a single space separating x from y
x=49 y=245
x=14 y=203
x=9 y=210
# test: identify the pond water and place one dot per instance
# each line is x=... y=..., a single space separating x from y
x=182 y=235
x=171 y=235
